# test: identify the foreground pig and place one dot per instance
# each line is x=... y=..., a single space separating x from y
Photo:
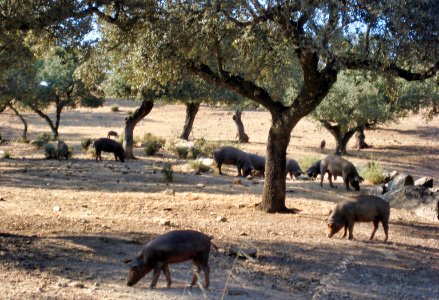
x=363 y=208
x=258 y=163
x=233 y=156
x=293 y=168
x=108 y=145
x=62 y=150
x=172 y=247
x=337 y=166
x=314 y=170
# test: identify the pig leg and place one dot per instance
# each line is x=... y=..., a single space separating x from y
x=321 y=179
x=345 y=231
x=219 y=169
x=115 y=156
x=386 y=229
x=239 y=171
x=196 y=269
x=375 y=228
x=165 y=270
x=351 y=230
x=206 y=270
x=346 y=182
x=330 y=180
x=157 y=269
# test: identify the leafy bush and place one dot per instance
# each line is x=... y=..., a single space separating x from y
x=22 y=140
x=373 y=172
x=198 y=166
x=45 y=136
x=91 y=152
x=307 y=161
x=168 y=172
x=114 y=108
x=85 y=143
x=50 y=151
x=205 y=148
x=151 y=144
x=6 y=155
x=182 y=152
x=191 y=150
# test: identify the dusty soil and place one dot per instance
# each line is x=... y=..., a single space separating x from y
x=65 y=226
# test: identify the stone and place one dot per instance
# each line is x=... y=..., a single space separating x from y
x=169 y=192
x=221 y=219
x=234 y=250
x=165 y=222
x=425 y=181
x=400 y=181
x=56 y=208
x=200 y=185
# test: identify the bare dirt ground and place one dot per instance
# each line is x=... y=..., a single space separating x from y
x=65 y=226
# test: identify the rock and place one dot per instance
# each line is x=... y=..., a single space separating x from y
x=78 y=285
x=221 y=219
x=240 y=205
x=390 y=176
x=2 y=199
x=56 y=208
x=165 y=222
x=169 y=192
x=425 y=181
x=234 y=250
x=400 y=181
x=378 y=190
x=200 y=185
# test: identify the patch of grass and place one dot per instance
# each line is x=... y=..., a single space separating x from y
x=45 y=136
x=198 y=166
x=307 y=161
x=373 y=172
x=120 y=138
x=152 y=144
x=168 y=172
x=114 y=108
x=130 y=112
x=6 y=155
x=91 y=152
x=22 y=140
x=192 y=150
x=182 y=151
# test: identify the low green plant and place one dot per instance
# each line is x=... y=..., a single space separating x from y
x=152 y=144
x=182 y=152
x=22 y=140
x=120 y=138
x=130 y=112
x=91 y=152
x=6 y=155
x=50 y=151
x=198 y=166
x=168 y=172
x=307 y=161
x=373 y=172
x=44 y=136
x=114 y=108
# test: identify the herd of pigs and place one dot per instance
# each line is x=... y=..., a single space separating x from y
x=183 y=245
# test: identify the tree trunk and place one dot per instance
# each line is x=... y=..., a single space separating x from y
x=131 y=122
x=341 y=138
x=242 y=136
x=24 y=134
x=360 y=138
x=273 y=194
x=48 y=120
x=191 y=112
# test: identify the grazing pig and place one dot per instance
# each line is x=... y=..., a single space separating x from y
x=62 y=150
x=314 y=170
x=172 y=247
x=233 y=156
x=337 y=166
x=293 y=169
x=258 y=163
x=363 y=208
x=112 y=133
x=108 y=145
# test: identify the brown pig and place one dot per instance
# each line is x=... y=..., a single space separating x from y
x=172 y=247
x=363 y=208
x=338 y=166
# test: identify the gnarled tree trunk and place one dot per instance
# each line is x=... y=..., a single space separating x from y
x=23 y=120
x=53 y=128
x=191 y=112
x=360 y=138
x=341 y=138
x=242 y=136
x=131 y=122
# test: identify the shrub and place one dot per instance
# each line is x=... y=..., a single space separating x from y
x=85 y=143
x=373 y=172
x=6 y=155
x=45 y=136
x=198 y=166
x=91 y=152
x=205 y=148
x=129 y=113
x=22 y=140
x=151 y=144
x=120 y=138
x=114 y=108
x=168 y=172
x=50 y=151
x=306 y=161
x=70 y=153
x=182 y=152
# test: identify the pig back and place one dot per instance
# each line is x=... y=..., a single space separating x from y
x=179 y=242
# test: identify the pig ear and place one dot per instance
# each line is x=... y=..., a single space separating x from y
x=135 y=262
x=361 y=179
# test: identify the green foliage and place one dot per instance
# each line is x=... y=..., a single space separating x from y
x=198 y=166
x=168 y=172
x=373 y=172
x=22 y=140
x=45 y=137
x=306 y=161
x=182 y=152
x=50 y=151
x=152 y=144
x=114 y=108
x=6 y=155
